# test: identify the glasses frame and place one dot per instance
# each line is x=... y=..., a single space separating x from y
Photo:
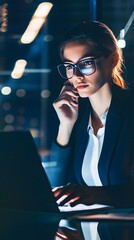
x=77 y=66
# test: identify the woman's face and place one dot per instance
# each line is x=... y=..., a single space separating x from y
x=87 y=85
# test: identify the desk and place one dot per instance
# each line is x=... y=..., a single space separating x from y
x=106 y=230
x=27 y=225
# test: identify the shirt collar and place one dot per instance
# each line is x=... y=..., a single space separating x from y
x=102 y=118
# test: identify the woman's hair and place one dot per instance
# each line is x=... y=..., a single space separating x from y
x=102 y=38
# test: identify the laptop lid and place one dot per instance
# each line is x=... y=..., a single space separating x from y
x=23 y=182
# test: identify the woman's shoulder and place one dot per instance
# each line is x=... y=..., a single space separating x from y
x=126 y=92
x=123 y=99
x=129 y=93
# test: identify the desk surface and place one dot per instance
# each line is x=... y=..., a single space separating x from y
x=26 y=225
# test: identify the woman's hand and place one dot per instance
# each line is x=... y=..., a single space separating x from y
x=68 y=234
x=66 y=105
x=74 y=194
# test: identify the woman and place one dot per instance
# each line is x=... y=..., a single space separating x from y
x=94 y=145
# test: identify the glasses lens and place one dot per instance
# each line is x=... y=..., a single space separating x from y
x=87 y=67
x=65 y=70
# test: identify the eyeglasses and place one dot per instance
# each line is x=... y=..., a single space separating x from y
x=86 y=67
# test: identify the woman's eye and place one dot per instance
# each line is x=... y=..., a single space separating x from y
x=69 y=67
x=88 y=63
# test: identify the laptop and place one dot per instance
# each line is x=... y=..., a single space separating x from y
x=23 y=182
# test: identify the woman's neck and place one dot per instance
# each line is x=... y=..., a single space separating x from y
x=100 y=101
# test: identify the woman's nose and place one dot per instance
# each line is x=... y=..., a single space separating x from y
x=77 y=78
x=77 y=72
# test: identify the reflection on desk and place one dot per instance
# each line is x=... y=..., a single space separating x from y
x=88 y=230
x=26 y=225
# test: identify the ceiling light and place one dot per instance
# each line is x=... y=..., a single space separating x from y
x=38 y=19
x=19 y=68
x=6 y=90
x=121 y=38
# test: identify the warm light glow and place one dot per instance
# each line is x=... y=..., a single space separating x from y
x=19 y=68
x=6 y=90
x=43 y=10
x=34 y=132
x=38 y=19
x=3 y=17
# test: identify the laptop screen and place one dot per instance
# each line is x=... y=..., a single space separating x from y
x=23 y=182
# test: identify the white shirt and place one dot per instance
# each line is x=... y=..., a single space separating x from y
x=90 y=170
x=91 y=158
x=89 y=230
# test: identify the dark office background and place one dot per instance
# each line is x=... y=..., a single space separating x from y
x=29 y=105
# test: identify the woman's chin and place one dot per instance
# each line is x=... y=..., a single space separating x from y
x=83 y=95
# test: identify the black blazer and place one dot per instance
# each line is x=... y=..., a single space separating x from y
x=116 y=163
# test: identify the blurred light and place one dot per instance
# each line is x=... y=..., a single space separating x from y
x=20 y=93
x=121 y=40
x=6 y=106
x=8 y=128
x=121 y=43
x=45 y=93
x=48 y=38
x=3 y=17
x=6 y=90
x=49 y=164
x=9 y=118
x=35 y=133
x=37 y=21
x=122 y=34
x=31 y=70
x=19 y=69
x=46 y=70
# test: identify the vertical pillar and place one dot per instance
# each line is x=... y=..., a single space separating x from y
x=93 y=9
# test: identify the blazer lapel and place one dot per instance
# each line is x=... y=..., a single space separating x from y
x=112 y=131
x=111 y=135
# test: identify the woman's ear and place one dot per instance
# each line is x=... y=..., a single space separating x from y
x=114 y=59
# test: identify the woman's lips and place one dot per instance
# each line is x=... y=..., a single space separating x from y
x=82 y=86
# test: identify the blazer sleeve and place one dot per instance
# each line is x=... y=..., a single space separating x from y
x=123 y=195
x=60 y=163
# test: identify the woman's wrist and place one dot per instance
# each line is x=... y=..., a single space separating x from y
x=64 y=134
x=102 y=194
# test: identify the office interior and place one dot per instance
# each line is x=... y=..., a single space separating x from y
x=29 y=83
x=26 y=97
